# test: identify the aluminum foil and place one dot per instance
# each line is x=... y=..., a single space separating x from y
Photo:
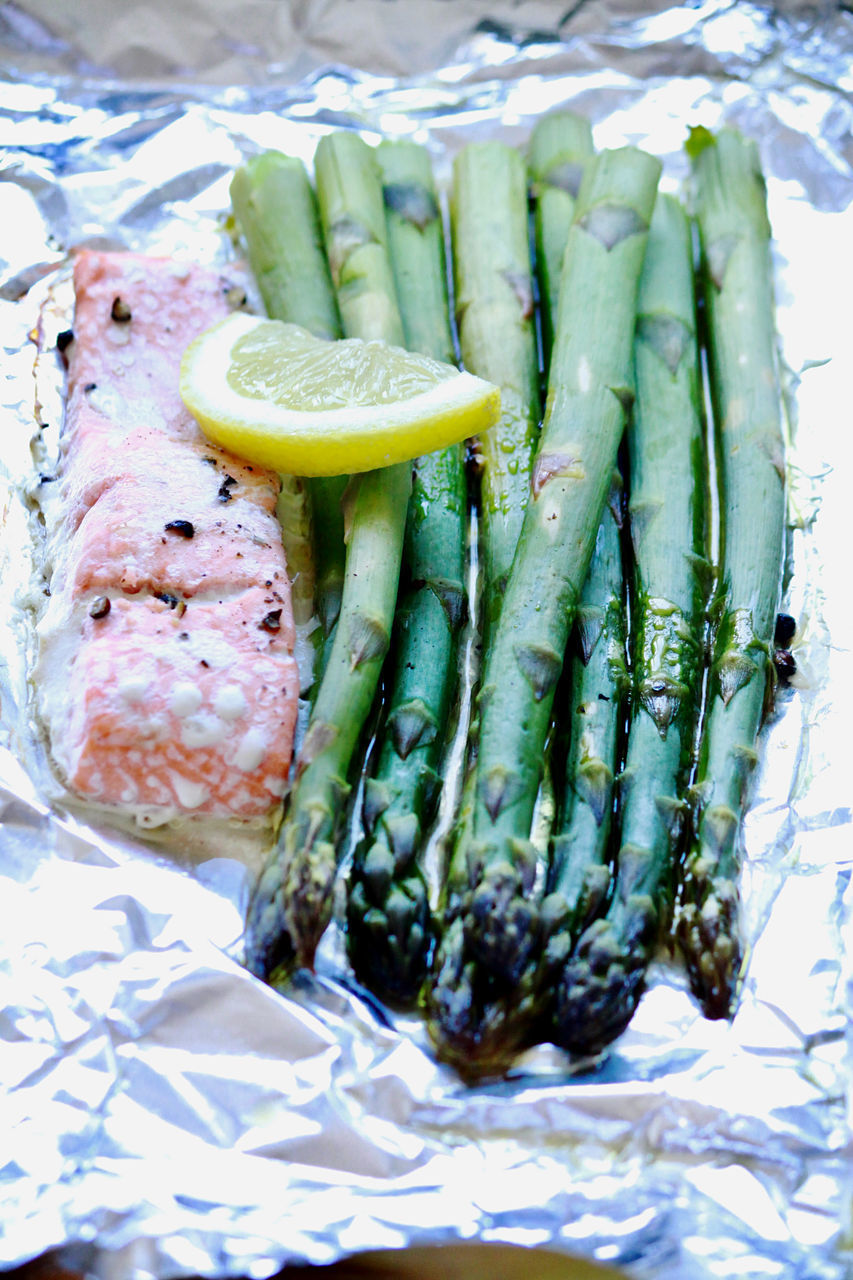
x=161 y=1110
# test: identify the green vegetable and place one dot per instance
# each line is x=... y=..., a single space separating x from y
x=484 y=985
x=388 y=913
x=560 y=148
x=599 y=989
x=578 y=877
x=293 y=901
x=734 y=232
x=497 y=338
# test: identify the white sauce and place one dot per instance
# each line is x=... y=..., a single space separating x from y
x=109 y=404
x=190 y=794
x=251 y=751
x=185 y=698
x=202 y=730
x=134 y=690
x=230 y=703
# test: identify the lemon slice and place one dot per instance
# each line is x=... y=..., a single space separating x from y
x=276 y=395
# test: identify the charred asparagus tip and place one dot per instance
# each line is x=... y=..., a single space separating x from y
x=707 y=932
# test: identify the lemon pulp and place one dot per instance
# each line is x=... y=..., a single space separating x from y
x=297 y=371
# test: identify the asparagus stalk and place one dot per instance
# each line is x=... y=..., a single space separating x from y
x=598 y=991
x=292 y=904
x=275 y=208
x=496 y=326
x=560 y=147
x=579 y=872
x=735 y=237
x=388 y=912
x=578 y=878
x=489 y=948
x=352 y=211
x=497 y=339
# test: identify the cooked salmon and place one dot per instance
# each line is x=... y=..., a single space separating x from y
x=166 y=672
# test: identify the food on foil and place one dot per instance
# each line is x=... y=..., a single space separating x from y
x=486 y=991
x=529 y=938
x=166 y=673
x=735 y=234
x=592 y=715
x=166 y=678
x=292 y=904
x=389 y=921
x=597 y=987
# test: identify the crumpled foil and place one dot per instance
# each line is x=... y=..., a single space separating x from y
x=161 y=1110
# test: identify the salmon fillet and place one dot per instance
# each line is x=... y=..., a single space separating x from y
x=166 y=674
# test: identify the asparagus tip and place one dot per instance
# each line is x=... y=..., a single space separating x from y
x=501 y=923
x=310 y=866
x=477 y=1022
x=600 y=988
x=268 y=945
x=707 y=933
x=389 y=935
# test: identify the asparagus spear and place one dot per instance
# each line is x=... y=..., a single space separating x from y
x=579 y=873
x=601 y=985
x=735 y=237
x=276 y=210
x=292 y=904
x=578 y=879
x=560 y=147
x=497 y=338
x=388 y=913
x=489 y=948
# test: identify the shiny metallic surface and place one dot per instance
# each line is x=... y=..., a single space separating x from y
x=164 y=1113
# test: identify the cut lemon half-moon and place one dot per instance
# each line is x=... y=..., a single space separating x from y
x=276 y=395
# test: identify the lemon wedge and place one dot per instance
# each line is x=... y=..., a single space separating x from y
x=276 y=395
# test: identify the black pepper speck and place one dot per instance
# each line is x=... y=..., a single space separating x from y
x=173 y=602
x=183 y=528
x=120 y=312
x=785 y=628
x=272 y=621
x=785 y=664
